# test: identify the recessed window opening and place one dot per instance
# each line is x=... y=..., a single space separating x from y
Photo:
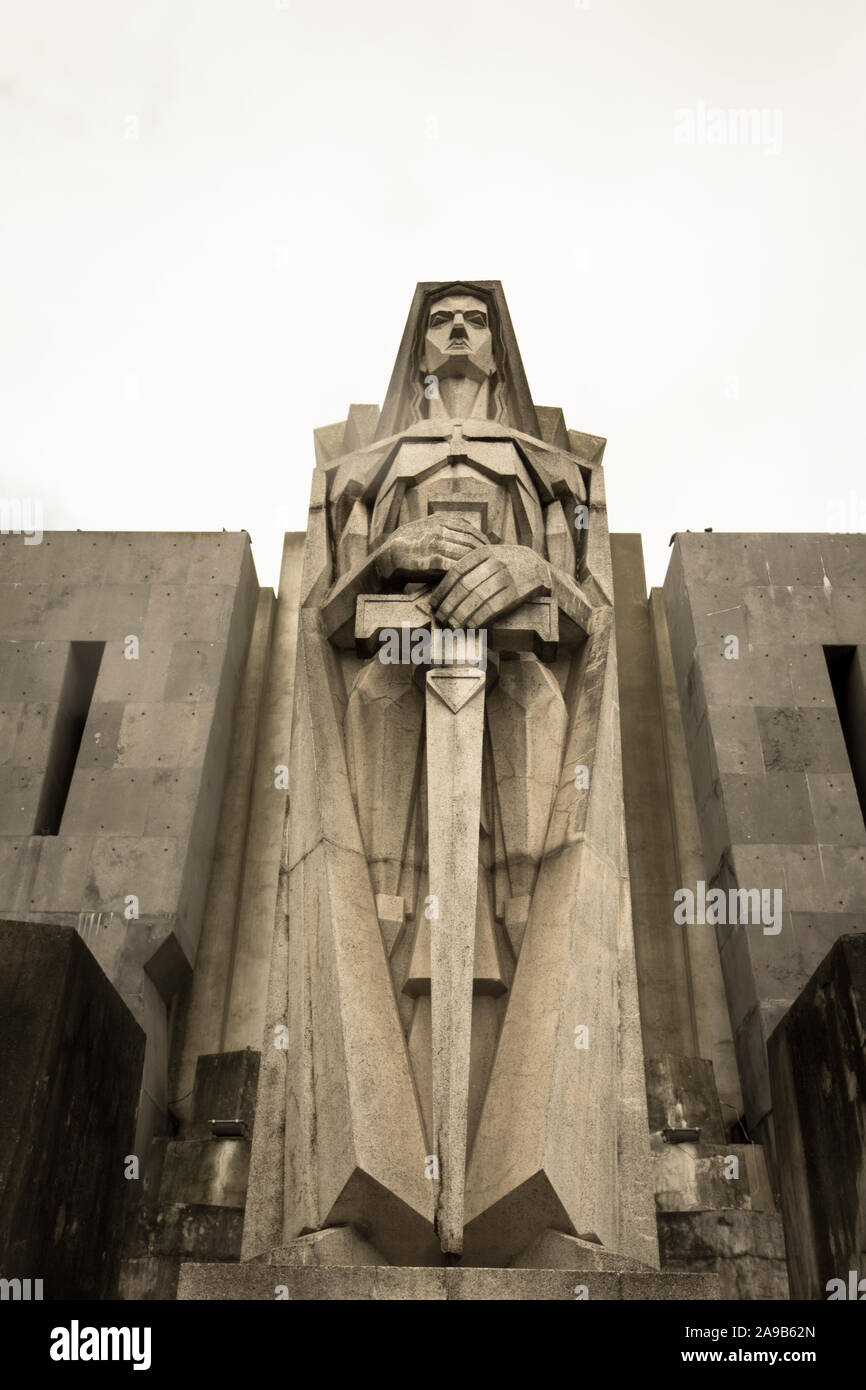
x=847 y=667
x=76 y=693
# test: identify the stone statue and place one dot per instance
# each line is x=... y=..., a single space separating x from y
x=458 y=358
x=465 y=1069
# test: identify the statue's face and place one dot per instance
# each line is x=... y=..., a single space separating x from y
x=458 y=329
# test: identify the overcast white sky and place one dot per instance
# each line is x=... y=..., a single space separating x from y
x=214 y=213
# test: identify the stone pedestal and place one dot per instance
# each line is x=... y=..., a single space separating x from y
x=263 y=1280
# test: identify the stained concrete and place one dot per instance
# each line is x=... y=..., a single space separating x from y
x=745 y=1249
x=70 y=1070
x=201 y=1023
x=683 y=1006
x=194 y=1188
x=313 y=970
x=818 y=1074
x=141 y=816
x=772 y=778
x=359 y=1283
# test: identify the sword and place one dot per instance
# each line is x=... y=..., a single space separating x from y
x=454 y=696
x=455 y=733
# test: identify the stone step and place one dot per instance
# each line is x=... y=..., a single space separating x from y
x=255 y=1280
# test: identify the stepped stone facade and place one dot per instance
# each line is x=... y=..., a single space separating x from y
x=444 y=904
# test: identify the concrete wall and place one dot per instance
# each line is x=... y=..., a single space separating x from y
x=143 y=805
x=818 y=1073
x=70 y=1068
x=682 y=997
x=667 y=1007
x=225 y=1011
x=772 y=779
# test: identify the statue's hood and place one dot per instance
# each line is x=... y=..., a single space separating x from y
x=403 y=402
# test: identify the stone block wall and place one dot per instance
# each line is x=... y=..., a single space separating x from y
x=772 y=775
x=137 y=830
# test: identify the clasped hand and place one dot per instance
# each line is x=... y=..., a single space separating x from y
x=480 y=581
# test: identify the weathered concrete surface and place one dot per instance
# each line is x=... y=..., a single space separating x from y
x=169 y=1235
x=263 y=1221
x=265 y=1281
x=745 y=1249
x=354 y=1140
x=141 y=815
x=191 y=1201
x=684 y=1014
x=205 y=1172
x=557 y=1131
x=201 y=1022
x=545 y=1154
x=336 y=1245
x=818 y=1076
x=554 y=1250
x=728 y=766
x=269 y=805
x=225 y=1088
x=772 y=777
x=667 y=1009
x=712 y=1022
x=201 y=1169
x=682 y=993
x=714 y=1201
x=681 y=1093
x=704 y=1177
x=70 y=1070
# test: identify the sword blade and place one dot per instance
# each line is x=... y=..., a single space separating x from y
x=455 y=729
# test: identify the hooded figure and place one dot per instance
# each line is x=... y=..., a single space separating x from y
x=446 y=845
x=428 y=350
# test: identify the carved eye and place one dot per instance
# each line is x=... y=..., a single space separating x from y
x=476 y=318
x=439 y=317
